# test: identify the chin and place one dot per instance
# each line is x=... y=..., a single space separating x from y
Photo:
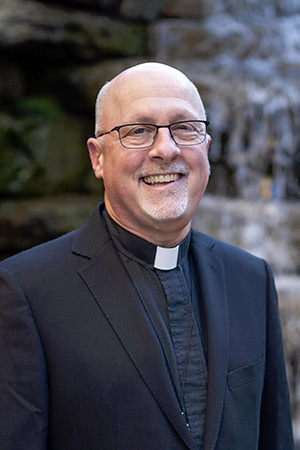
x=166 y=212
x=165 y=207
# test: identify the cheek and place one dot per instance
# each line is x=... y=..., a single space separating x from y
x=200 y=165
x=119 y=175
x=201 y=174
x=128 y=165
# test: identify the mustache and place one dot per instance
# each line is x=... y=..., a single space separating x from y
x=164 y=169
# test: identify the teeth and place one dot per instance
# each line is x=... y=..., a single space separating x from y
x=153 y=179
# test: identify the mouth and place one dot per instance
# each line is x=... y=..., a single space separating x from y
x=158 y=180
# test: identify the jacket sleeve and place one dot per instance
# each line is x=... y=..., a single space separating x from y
x=23 y=380
x=275 y=425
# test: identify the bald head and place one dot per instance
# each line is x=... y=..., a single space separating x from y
x=140 y=81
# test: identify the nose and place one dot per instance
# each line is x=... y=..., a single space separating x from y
x=164 y=147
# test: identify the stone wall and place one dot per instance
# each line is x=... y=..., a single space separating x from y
x=245 y=60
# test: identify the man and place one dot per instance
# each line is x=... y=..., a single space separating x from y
x=134 y=331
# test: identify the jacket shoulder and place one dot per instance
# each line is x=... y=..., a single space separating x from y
x=39 y=253
x=227 y=252
x=84 y=241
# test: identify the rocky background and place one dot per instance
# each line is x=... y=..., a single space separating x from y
x=245 y=59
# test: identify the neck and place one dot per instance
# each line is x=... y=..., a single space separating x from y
x=166 y=234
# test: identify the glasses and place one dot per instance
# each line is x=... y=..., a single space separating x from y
x=143 y=135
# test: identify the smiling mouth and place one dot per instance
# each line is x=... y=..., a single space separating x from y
x=154 y=180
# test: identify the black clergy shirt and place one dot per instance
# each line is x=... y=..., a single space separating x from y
x=172 y=300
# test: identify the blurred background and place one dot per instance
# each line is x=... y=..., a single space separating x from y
x=244 y=58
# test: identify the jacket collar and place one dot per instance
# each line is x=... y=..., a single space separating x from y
x=91 y=236
x=210 y=267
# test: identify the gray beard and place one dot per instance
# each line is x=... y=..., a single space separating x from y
x=165 y=205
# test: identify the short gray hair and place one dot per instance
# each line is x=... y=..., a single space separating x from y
x=99 y=107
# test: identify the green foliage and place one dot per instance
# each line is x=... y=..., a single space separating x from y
x=43 y=151
x=39 y=107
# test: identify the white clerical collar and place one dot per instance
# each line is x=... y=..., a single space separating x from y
x=166 y=258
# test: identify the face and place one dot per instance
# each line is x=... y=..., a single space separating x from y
x=152 y=192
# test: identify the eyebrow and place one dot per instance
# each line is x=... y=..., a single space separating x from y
x=149 y=119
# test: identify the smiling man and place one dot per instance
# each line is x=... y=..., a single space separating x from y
x=153 y=187
x=135 y=332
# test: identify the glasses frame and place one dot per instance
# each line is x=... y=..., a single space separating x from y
x=118 y=127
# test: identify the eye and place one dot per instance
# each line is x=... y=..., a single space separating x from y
x=137 y=130
x=183 y=126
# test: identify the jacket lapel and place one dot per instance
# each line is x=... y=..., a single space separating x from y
x=109 y=283
x=211 y=271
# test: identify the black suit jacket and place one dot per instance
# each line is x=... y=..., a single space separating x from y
x=82 y=368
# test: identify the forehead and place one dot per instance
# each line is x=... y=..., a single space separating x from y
x=150 y=95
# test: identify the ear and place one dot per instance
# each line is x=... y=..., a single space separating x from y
x=208 y=142
x=96 y=156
